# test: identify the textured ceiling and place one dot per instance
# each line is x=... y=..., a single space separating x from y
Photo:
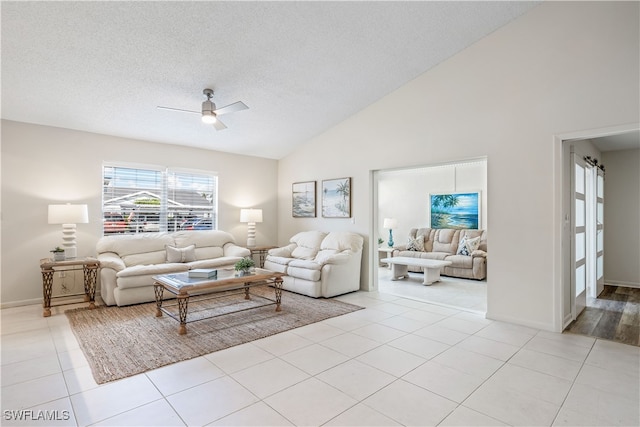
x=301 y=67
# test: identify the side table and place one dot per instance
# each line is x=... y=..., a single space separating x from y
x=261 y=251
x=88 y=265
x=388 y=253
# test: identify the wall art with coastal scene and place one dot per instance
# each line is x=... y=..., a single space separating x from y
x=336 y=198
x=455 y=210
x=303 y=196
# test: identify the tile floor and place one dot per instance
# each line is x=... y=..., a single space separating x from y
x=398 y=362
x=450 y=291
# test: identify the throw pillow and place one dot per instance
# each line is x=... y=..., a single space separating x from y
x=472 y=244
x=462 y=247
x=416 y=244
x=186 y=254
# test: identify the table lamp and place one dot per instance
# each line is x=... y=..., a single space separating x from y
x=251 y=216
x=390 y=223
x=68 y=215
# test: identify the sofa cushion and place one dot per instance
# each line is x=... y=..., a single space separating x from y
x=214 y=262
x=446 y=240
x=460 y=261
x=164 y=268
x=416 y=244
x=186 y=254
x=144 y=248
x=342 y=240
x=308 y=244
x=304 y=271
x=209 y=243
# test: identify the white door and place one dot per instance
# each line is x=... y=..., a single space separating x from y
x=579 y=236
x=599 y=232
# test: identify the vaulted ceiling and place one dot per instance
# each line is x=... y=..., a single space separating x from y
x=301 y=67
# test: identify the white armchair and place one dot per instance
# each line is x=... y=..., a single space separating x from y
x=319 y=264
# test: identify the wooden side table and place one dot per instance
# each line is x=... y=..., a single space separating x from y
x=262 y=252
x=88 y=265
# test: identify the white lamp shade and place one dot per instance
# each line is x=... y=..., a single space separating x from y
x=68 y=214
x=390 y=223
x=250 y=215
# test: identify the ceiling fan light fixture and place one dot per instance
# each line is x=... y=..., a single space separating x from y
x=209 y=117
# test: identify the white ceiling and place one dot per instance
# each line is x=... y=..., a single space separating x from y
x=301 y=67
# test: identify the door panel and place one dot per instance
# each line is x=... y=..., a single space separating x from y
x=599 y=232
x=578 y=249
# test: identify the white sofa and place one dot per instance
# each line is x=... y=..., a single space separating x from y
x=319 y=264
x=128 y=262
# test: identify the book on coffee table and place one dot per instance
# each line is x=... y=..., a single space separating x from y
x=204 y=273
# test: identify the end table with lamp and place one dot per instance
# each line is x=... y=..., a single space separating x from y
x=90 y=268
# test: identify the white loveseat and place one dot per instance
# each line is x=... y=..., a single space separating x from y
x=319 y=264
x=128 y=262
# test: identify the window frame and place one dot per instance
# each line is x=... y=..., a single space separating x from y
x=119 y=205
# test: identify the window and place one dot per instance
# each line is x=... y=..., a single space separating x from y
x=151 y=199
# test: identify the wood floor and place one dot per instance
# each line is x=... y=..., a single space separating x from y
x=614 y=315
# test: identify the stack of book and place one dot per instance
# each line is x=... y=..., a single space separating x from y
x=203 y=273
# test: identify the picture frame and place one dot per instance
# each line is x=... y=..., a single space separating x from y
x=458 y=210
x=336 y=198
x=303 y=199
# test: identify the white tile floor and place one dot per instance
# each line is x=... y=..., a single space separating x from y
x=398 y=362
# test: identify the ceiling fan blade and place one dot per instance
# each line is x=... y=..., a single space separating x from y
x=231 y=108
x=219 y=125
x=178 y=109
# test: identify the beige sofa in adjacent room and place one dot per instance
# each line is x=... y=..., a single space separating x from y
x=466 y=249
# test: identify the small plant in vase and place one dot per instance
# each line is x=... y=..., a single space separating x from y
x=244 y=266
x=58 y=253
x=380 y=241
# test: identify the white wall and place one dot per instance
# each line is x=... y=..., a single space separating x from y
x=404 y=194
x=43 y=165
x=562 y=67
x=622 y=217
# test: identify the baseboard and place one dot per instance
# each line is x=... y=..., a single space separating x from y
x=521 y=322
x=623 y=284
x=21 y=303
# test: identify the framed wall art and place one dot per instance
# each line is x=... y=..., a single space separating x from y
x=336 y=198
x=303 y=199
x=455 y=210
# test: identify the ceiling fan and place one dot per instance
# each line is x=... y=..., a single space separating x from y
x=209 y=112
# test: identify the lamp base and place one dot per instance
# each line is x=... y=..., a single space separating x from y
x=251 y=234
x=69 y=240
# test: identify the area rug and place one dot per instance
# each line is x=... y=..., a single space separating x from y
x=122 y=341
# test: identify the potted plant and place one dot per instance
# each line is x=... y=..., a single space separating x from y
x=243 y=267
x=58 y=253
x=380 y=241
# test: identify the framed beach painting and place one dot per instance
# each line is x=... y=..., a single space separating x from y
x=336 y=198
x=303 y=199
x=455 y=210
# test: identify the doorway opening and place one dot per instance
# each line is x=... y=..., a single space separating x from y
x=403 y=196
x=601 y=195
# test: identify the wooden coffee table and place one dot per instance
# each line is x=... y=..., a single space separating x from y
x=227 y=281
x=431 y=267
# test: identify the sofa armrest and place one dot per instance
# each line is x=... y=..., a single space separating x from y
x=233 y=250
x=340 y=258
x=111 y=260
x=478 y=253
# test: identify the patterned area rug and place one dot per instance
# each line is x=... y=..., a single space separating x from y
x=122 y=341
